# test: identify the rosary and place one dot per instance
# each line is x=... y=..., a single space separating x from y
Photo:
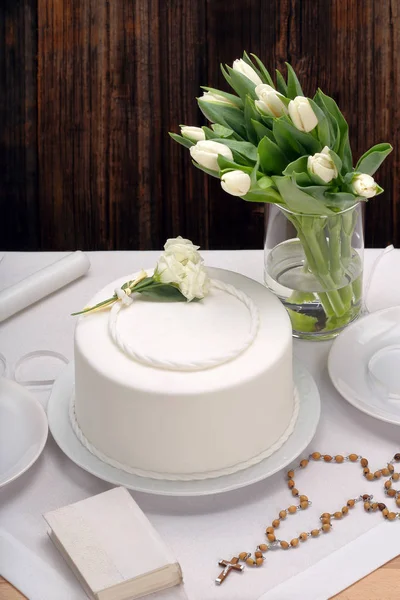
x=325 y=519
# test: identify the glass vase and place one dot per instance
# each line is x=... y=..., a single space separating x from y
x=314 y=264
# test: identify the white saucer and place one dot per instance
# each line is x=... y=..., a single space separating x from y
x=356 y=363
x=23 y=430
x=306 y=425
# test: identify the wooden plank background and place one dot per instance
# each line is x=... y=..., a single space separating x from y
x=89 y=91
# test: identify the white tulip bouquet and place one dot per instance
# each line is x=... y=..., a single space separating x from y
x=267 y=142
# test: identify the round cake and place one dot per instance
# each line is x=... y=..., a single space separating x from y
x=194 y=423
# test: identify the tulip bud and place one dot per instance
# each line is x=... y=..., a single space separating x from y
x=216 y=98
x=270 y=101
x=302 y=115
x=364 y=185
x=236 y=183
x=322 y=165
x=242 y=67
x=194 y=134
x=206 y=153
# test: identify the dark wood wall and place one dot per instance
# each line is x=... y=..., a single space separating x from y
x=90 y=88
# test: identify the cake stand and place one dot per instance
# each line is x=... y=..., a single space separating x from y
x=306 y=425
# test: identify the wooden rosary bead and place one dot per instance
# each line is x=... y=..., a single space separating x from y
x=315 y=532
x=397 y=457
x=276 y=523
x=271 y=537
x=364 y=462
x=325 y=521
x=365 y=470
x=294 y=542
x=391 y=516
x=391 y=493
x=303 y=463
x=367 y=506
x=259 y=562
x=339 y=459
x=366 y=497
x=295 y=492
x=326 y=528
x=374 y=506
x=316 y=455
x=258 y=554
x=385 y=472
x=388 y=484
x=351 y=503
x=378 y=474
x=398 y=502
x=290 y=474
x=242 y=555
x=303 y=498
x=291 y=484
x=269 y=530
x=250 y=562
x=282 y=514
x=327 y=458
x=381 y=506
x=284 y=545
x=303 y=536
x=369 y=477
x=395 y=477
x=292 y=509
x=325 y=516
x=385 y=512
x=337 y=515
x=263 y=547
x=390 y=468
x=303 y=505
x=353 y=457
x=345 y=510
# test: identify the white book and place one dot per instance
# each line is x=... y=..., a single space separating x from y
x=112 y=547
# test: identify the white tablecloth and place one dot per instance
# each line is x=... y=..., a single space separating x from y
x=201 y=530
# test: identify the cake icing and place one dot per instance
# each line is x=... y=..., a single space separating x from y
x=186 y=424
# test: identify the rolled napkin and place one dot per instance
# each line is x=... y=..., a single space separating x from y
x=42 y=283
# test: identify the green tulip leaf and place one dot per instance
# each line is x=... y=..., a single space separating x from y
x=249 y=62
x=298 y=200
x=250 y=115
x=297 y=166
x=264 y=74
x=262 y=131
x=181 y=140
x=281 y=83
x=259 y=195
x=242 y=85
x=163 y=291
x=209 y=133
x=373 y=158
x=323 y=127
x=344 y=150
x=221 y=131
x=245 y=149
x=293 y=84
x=272 y=159
x=229 y=165
x=223 y=114
x=341 y=200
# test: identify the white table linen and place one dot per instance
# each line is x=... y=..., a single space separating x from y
x=202 y=530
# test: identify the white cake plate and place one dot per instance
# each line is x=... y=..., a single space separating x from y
x=306 y=425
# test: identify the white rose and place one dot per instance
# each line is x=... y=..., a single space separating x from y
x=195 y=283
x=236 y=183
x=242 y=67
x=364 y=185
x=169 y=269
x=270 y=101
x=216 y=98
x=194 y=134
x=206 y=153
x=322 y=165
x=302 y=115
x=183 y=250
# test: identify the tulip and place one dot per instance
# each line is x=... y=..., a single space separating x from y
x=242 y=67
x=322 y=165
x=216 y=98
x=206 y=153
x=236 y=183
x=270 y=101
x=302 y=115
x=364 y=185
x=194 y=134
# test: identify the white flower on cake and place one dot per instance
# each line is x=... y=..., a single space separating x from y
x=178 y=275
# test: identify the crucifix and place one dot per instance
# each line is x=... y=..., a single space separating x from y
x=229 y=565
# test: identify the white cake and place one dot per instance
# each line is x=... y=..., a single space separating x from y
x=186 y=424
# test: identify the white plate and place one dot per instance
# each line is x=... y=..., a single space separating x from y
x=23 y=430
x=352 y=352
x=306 y=425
